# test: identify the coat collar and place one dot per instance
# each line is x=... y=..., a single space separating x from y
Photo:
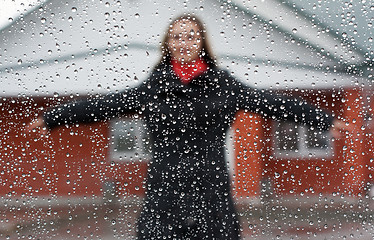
x=164 y=79
x=187 y=72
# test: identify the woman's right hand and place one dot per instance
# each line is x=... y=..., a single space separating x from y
x=38 y=125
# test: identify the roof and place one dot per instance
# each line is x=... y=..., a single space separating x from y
x=73 y=47
x=11 y=11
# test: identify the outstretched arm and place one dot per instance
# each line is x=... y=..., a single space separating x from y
x=279 y=106
x=90 y=110
x=283 y=108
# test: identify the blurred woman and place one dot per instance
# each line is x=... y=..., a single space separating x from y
x=188 y=104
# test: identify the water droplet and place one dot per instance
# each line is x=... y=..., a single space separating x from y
x=73 y=9
x=43 y=20
x=137 y=15
x=294 y=30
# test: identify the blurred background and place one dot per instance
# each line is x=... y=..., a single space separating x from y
x=87 y=181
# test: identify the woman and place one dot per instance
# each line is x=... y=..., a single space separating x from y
x=188 y=105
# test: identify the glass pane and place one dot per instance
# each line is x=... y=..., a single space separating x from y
x=130 y=140
x=97 y=79
x=316 y=139
x=288 y=137
x=125 y=144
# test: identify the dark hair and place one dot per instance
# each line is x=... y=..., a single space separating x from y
x=206 y=52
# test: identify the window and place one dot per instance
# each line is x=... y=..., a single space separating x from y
x=130 y=140
x=293 y=140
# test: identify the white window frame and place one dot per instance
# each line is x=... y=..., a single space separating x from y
x=303 y=151
x=135 y=128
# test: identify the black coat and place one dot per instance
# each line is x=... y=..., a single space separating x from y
x=188 y=188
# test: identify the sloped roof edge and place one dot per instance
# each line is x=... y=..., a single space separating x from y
x=22 y=15
x=287 y=20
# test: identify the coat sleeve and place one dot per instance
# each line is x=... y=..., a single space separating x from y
x=95 y=109
x=280 y=107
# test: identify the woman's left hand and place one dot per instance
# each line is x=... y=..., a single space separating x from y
x=38 y=125
x=339 y=128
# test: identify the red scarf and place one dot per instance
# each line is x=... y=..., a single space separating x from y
x=188 y=71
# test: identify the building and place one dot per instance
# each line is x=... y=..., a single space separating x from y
x=73 y=49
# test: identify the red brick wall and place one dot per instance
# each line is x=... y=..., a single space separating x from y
x=344 y=173
x=70 y=161
x=74 y=160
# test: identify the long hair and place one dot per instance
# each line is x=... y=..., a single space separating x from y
x=206 y=51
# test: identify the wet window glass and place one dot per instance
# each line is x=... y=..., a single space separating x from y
x=176 y=119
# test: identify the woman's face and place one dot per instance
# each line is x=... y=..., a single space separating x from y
x=184 y=42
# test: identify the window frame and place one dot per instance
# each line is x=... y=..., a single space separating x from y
x=303 y=151
x=140 y=134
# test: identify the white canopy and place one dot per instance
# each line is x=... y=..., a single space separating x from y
x=85 y=47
